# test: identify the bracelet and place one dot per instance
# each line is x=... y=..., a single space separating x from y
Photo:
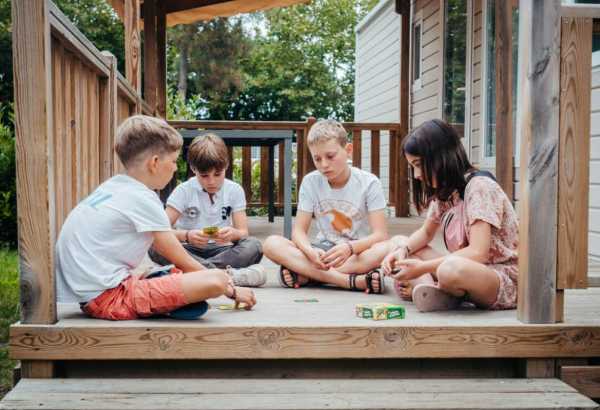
x=233 y=294
x=351 y=248
x=187 y=236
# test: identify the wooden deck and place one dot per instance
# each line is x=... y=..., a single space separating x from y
x=283 y=326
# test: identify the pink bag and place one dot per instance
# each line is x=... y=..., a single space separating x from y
x=453 y=223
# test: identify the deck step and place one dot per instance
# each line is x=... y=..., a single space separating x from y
x=266 y=394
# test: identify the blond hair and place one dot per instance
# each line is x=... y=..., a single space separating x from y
x=326 y=130
x=208 y=152
x=142 y=134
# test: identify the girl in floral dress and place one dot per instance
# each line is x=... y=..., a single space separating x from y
x=478 y=222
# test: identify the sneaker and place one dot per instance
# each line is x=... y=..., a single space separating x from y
x=430 y=298
x=252 y=276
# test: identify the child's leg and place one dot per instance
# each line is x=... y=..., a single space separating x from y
x=367 y=260
x=194 y=253
x=459 y=276
x=285 y=253
x=245 y=252
x=202 y=285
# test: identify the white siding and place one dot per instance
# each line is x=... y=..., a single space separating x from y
x=377 y=92
x=594 y=215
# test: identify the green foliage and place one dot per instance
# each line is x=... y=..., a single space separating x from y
x=6 y=74
x=9 y=313
x=8 y=189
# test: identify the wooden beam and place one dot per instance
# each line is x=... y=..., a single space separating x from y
x=108 y=123
x=586 y=379
x=580 y=10
x=37 y=369
x=174 y=6
x=538 y=125
x=539 y=368
x=151 y=75
x=264 y=174
x=574 y=149
x=247 y=172
x=504 y=80
x=401 y=174
x=357 y=148
x=375 y=152
x=307 y=161
x=132 y=44
x=34 y=148
x=161 y=43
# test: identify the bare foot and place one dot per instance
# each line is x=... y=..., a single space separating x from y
x=404 y=290
x=289 y=279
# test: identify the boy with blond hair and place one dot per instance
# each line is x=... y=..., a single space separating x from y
x=109 y=233
x=208 y=213
x=348 y=206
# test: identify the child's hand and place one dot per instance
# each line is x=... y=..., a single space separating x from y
x=409 y=269
x=389 y=262
x=197 y=238
x=226 y=235
x=315 y=256
x=244 y=295
x=337 y=255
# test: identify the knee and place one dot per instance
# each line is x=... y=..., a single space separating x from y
x=271 y=243
x=217 y=281
x=254 y=245
x=449 y=272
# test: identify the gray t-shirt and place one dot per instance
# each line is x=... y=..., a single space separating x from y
x=341 y=214
x=105 y=236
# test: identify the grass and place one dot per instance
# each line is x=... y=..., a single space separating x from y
x=9 y=312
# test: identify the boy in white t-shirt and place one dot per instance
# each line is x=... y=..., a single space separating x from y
x=348 y=206
x=210 y=202
x=109 y=233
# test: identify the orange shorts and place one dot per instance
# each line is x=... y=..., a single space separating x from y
x=135 y=298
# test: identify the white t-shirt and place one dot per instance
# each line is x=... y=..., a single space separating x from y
x=341 y=214
x=105 y=236
x=199 y=211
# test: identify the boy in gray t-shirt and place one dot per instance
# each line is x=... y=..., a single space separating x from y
x=348 y=206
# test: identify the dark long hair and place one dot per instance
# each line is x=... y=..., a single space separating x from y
x=442 y=156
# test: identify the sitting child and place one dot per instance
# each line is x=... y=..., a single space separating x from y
x=346 y=203
x=109 y=233
x=479 y=225
x=208 y=201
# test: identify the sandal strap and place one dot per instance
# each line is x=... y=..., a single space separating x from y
x=369 y=281
x=293 y=275
x=352 y=281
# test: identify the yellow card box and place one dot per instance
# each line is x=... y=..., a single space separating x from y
x=380 y=311
x=210 y=230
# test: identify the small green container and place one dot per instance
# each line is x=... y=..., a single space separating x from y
x=380 y=311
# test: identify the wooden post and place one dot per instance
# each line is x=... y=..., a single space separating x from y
x=247 y=172
x=280 y=173
x=264 y=174
x=538 y=125
x=574 y=148
x=35 y=169
x=356 y=148
x=375 y=152
x=150 y=54
x=401 y=175
x=504 y=80
x=161 y=55
x=132 y=44
x=229 y=171
x=300 y=143
x=108 y=122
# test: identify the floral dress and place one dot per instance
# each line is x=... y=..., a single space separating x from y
x=484 y=200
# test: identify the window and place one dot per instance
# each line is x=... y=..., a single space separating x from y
x=417 y=55
x=455 y=63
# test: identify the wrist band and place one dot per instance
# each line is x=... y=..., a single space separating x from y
x=187 y=236
x=233 y=294
x=351 y=248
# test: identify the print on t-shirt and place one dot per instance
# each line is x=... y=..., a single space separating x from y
x=339 y=216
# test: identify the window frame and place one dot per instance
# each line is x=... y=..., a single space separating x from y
x=485 y=161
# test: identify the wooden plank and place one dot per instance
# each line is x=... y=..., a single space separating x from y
x=538 y=125
x=151 y=57
x=264 y=174
x=400 y=168
x=586 y=379
x=94 y=131
x=108 y=120
x=273 y=125
x=574 y=149
x=247 y=172
x=161 y=42
x=70 y=109
x=132 y=44
x=37 y=369
x=504 y=81
x=580 y=11
x=59 y=133
x=539 y=368
x=375 y=152
x=34 y=145
x=393 y=168
x=229 y=171
x=159 y=341
x=356 y=148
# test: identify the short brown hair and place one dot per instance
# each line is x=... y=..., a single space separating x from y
x=142 y=134
x=208 y=152
x=326 y=130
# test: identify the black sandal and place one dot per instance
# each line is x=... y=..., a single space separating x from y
x=369 y=281
x=295 y=280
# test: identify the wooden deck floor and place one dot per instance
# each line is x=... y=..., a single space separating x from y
x=283 y=326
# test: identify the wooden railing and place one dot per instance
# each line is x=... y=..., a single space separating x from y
x=398 y=175
x=69 y=100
